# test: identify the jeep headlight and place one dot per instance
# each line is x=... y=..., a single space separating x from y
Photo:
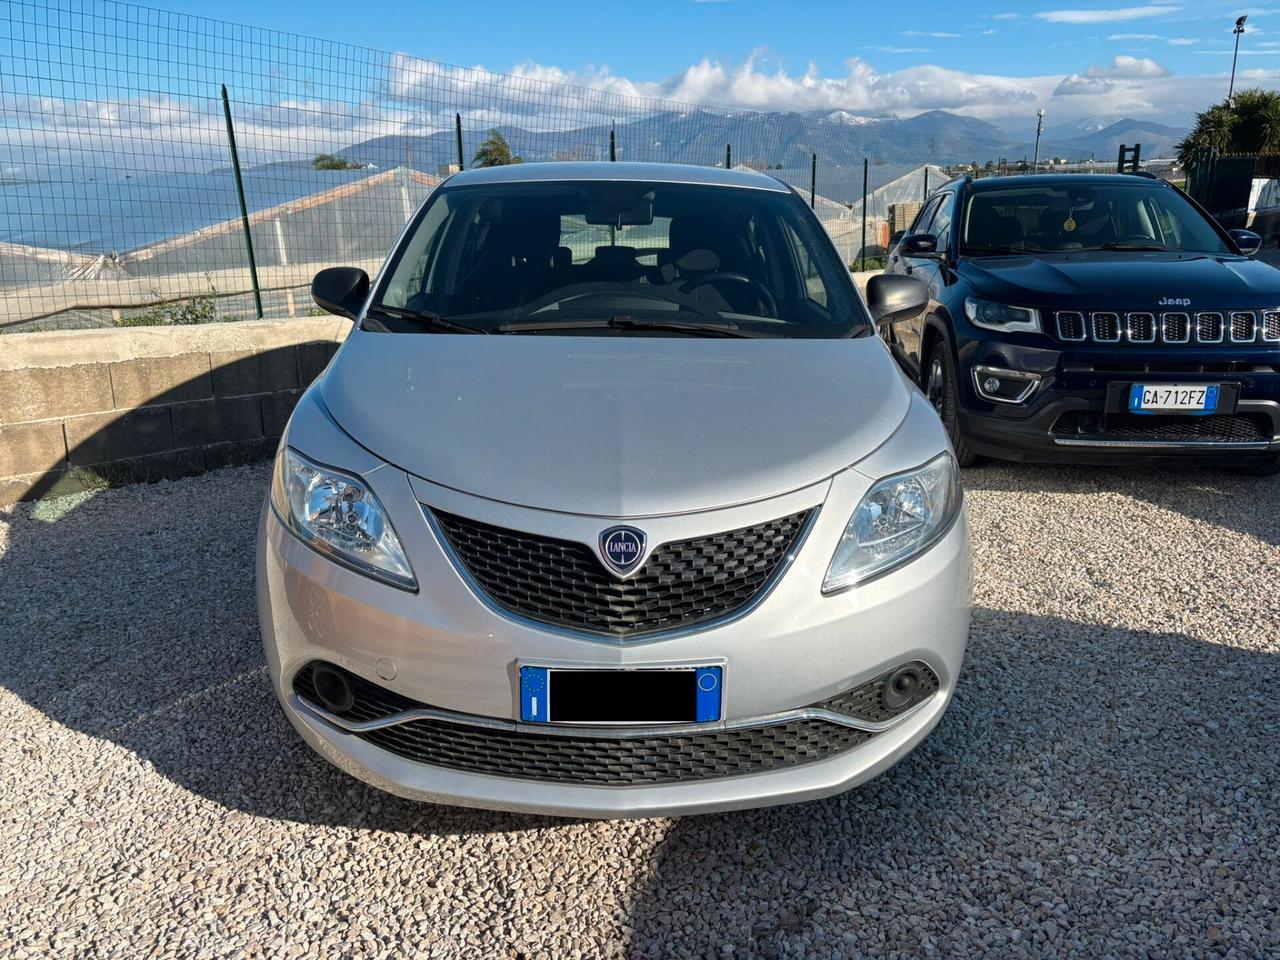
x=338 y=515
x=991 y=315
x=899 y=518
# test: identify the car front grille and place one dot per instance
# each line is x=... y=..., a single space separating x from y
x=562 y=583
x=1173 y=328
x=1138 y=429
x=613 y=761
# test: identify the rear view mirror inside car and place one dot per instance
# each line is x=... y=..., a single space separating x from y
x=614 y=207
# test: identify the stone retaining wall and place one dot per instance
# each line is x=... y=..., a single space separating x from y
x=83 y=409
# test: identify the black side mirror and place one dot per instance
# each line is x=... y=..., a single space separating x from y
x=340 y=290
x=1246 y=241
x=918 y=245
x=892 y=297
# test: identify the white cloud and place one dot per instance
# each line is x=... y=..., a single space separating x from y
x=1005 y=16
x=926 y=33
x=1114 y=15
x=1132 y=68
x=1135 y=36
x=989 y=33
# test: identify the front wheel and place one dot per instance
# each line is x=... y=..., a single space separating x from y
x=941 y=389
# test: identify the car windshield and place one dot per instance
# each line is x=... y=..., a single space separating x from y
x=1137 y=215
x=617 y=258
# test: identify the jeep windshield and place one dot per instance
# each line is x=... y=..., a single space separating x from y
x=1069 y=218
x=617 y=258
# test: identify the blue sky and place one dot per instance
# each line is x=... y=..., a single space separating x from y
x=1162 y=59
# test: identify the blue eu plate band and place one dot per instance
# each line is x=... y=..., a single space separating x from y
x=534 y=705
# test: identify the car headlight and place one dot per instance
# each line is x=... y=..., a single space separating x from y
x=899 y=518
x=1001 y=316
x=339 y=516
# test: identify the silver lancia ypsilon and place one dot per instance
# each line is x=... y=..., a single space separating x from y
x=613 y=504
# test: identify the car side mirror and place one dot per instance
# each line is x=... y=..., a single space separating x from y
x=340 y=290
x=1246 y=241
x=892 y=297
x=918 y=245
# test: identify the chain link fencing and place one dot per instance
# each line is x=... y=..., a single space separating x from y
x=120 y=204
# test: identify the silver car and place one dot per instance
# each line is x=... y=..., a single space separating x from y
x=613 y=504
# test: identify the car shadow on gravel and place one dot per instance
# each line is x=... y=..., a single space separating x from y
x=1090 y=791
x=1213 y=495
x=129 y=616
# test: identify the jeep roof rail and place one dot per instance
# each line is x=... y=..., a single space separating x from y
x=1145 y=173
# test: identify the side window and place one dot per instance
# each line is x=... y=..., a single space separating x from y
x=941 y=226
x=925 y=218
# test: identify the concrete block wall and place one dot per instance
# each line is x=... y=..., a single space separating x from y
x=82 y=409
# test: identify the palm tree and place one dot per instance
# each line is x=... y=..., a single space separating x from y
x=494 y=152
x=1249 y=123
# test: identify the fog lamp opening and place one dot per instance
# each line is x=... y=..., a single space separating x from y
x=1003 y=385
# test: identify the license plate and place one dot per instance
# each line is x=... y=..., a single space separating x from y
x=1173 y=398
x=590 y=696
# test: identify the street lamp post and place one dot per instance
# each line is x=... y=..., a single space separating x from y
x=1035 y=164
x=1231 y=89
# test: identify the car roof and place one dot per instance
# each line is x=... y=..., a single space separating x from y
x=1061 y=179
x=579 y=170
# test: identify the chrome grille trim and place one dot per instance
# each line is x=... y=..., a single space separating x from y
x=1140 y=327
x=1210 y=327
x=1243 y=325
x=1172 y=322
x=1105 y=326
x=1176 y=327
x=1271 y=326
x=1070 y=320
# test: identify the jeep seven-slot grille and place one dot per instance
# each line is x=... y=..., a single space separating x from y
x=562 y=583
x=614 y=761
x=1173 y=327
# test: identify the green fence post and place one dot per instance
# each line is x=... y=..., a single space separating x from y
x=457 y=126
x=244 y=210
x=862 y=251
x=728 y=157
x=813 y=182
x=613 y=146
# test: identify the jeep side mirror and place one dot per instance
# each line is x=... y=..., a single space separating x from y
x=1246 y=241
x=340 y=290
x=892 y=297
x=918 y=245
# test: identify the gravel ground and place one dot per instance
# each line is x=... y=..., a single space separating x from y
x=1105 y=783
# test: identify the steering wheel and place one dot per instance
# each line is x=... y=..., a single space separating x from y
x=771 y=305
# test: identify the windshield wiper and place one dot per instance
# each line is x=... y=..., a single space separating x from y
x=621 y=322
x=425 y=318
x=1120 y=245
x=993 y=251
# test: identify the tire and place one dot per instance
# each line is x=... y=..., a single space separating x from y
x=941 y=389
x=1257 y=467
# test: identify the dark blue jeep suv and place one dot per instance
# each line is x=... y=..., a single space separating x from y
x=1091 y=318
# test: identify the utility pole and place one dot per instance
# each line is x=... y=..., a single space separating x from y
x=1231 y=89
x=1035 y=165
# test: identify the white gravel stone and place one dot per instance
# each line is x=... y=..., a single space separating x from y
x=1105 y=783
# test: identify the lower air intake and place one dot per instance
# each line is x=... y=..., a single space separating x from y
x=615 y=761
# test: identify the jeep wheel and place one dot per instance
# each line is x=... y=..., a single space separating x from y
x=940 y=389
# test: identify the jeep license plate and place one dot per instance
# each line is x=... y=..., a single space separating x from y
x=1173 y=398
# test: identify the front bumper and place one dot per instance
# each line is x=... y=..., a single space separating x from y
x=1079 y=411
x=447 y=648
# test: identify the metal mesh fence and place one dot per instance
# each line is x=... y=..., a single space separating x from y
x=119 y=204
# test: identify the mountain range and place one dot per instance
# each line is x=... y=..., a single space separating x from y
x=789 y=139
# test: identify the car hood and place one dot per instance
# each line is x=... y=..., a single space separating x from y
x=1125 y=281
x=616 y=426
